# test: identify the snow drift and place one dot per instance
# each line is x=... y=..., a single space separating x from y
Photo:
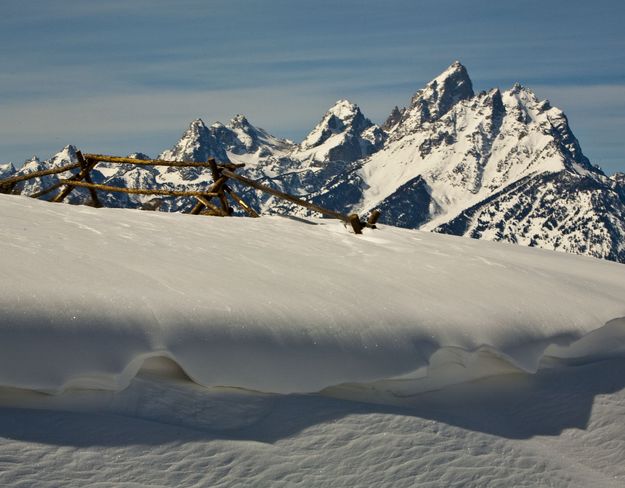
x=280 y=305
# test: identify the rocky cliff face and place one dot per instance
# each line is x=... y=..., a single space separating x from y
x=496 y=165
x=432 y=102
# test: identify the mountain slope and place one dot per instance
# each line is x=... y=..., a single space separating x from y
x=562 y=211
x=478 y=147
x=457 y=167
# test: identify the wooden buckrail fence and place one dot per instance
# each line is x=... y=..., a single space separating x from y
x=219 y=190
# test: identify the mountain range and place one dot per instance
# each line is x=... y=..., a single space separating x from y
x=495 y=165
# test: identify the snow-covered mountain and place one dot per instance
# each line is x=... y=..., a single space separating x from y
x=432 y=102
x=6 y=169
x=333 y=148
x=237 y=141
x=265 y=156
x=65 y=156
x=344 y=134
x=496 y=165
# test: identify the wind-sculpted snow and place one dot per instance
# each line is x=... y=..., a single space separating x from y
x=279 y=305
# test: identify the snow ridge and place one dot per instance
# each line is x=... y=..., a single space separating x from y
x=391 y=315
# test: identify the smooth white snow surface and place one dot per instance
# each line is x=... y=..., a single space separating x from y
x=278 y=305
x=395 y=317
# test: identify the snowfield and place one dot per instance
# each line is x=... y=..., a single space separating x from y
x=197 y=351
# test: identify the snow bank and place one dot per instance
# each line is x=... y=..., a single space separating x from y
x=277 y=305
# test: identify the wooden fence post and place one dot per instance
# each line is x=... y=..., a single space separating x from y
x=84 y=172
x=354 y=221
x=197 y=208
x=248 y=210
x=219 y=189
x=218 y=176
x=206 y=203
x=212 y=191
x=373 y=218
x=8 y=188
x=84 y=164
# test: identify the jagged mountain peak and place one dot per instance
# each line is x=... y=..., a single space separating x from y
x=241 y=137
x=197 y=143
x=139 y=155
x=341 y=117
x=526 y=96
x=432 y=102
x=244 y=131
x=523 y=93
x=455 y=74
x=195 y=128
x=528 y=110
x=6 y=170
x=481 y=144
x=344 y=110
x=239 y=121
x=238 y=140
x=494 y=99
x=517 y=87
x=64 y=156
x=343 y=133
x=393 y=119
x=197 y=123
x=443 y=92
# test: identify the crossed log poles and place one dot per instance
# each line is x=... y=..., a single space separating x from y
x=219 y=190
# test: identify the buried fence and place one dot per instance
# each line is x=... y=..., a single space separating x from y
x=219 y=191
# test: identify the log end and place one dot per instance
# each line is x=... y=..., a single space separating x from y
x=355 y=222
x=373 y=218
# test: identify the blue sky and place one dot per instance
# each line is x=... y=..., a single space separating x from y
x=123 y=76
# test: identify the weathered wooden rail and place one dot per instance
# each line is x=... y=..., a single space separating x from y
x=219 y=190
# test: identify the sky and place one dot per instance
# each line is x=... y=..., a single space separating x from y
x=124 y=76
